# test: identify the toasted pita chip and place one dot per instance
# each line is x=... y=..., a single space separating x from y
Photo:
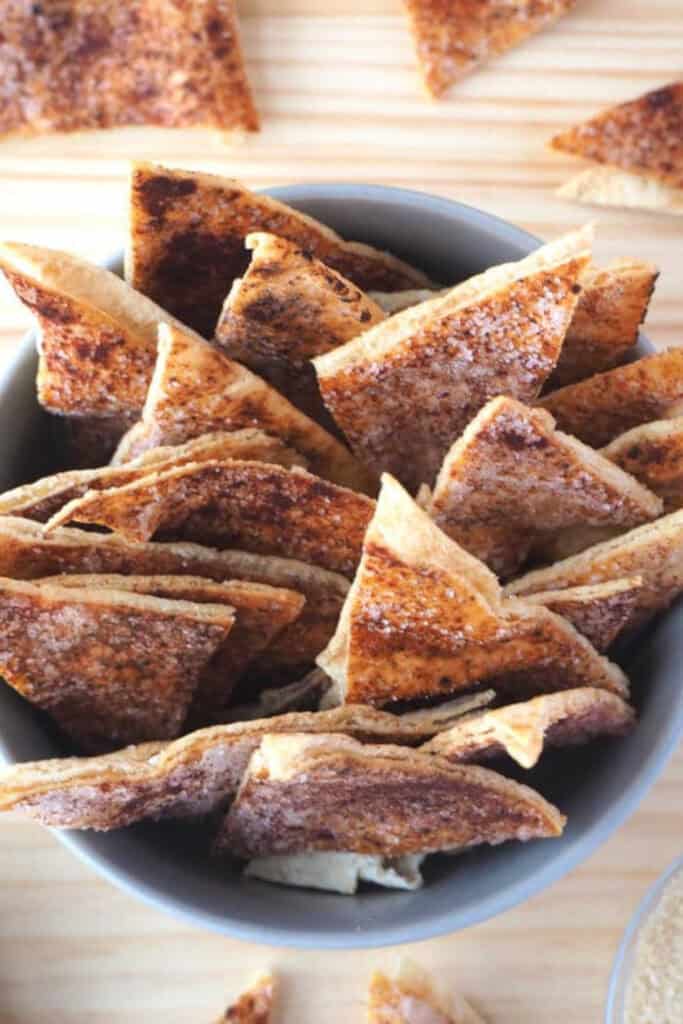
x=512 y=472
x=653 y=454
x=27 y=553
x=86 y=65
x=187 y=242
x=607 y=186
x=599 y=611
x=605 y=325
x=396 y=302
x=653 y=552
x=412 y=998
x=186 y=778
x=254 y=1006
x=600 y=408
x=45 y=497
x=286 y=309
x=403 y=391
x=337 y=872
x=109 y=667
x=423 y=617
x=301 y=794
x=196 y=389
x=643 y=136
x=523 y=730
x=261 y=612
x=252 y=505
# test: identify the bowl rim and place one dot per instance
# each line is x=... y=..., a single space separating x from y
x=575 y=849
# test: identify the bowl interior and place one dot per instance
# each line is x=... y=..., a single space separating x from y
x=596 y=786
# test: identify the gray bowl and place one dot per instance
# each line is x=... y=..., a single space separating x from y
x=597 y=786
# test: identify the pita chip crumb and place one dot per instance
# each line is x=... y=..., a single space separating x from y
x=254 y=1006
x=187 y=242
x=338 y=872
x=599 y=611
x=607 y=186
x=404 y=390
x=413 y=998
x=653 y=454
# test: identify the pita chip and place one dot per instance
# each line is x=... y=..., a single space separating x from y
x=254 y=1006
x=455 y=38
x=425 y=618
x=110 y=667
x=302 y=794
x=186 y=778
x=337 y=872
x=605 y=324
x=600 y=611
x=187 y=242
x=600 y=408
x=403 y=391
x=607 y=186
x=412 y=998
x=643 y=136
x=511 y=471
x=197 y=390
x=653 y=454
x=562 y=719
x=87 y=65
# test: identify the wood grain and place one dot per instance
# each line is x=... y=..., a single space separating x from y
x=340 y=100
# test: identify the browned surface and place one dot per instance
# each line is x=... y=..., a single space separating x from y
x=254 y=1006
x=69 y=65
x=339 y=795
x=111 y=668
x=413 y=998
x=600 y=612
x=453 y=37
x=187 y=242
x=653 y=454
x=252 y=505
x=644 y=136
x=600 y=408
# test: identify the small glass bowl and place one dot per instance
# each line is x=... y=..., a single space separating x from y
x=622 y=969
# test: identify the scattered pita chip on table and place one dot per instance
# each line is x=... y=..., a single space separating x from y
x=412 y=998
x=403 y=391
x=653 y=454
x=337 y=872
x=187 y=236
x=303 y=794
x=254 y=1006
x=599 y=611
x=608 y=186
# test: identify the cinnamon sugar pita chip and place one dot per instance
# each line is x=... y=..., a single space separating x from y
x=254 y=1006
x=653 y=454
x=607 y=186
x=412 y=997
x=600 y=611
x=187 y=242
x=404 y=391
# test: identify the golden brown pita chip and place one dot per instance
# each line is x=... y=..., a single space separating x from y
x=523 y=730
x=454 y=38
x=607 y=186
x=600 y=408
x=643 y=136
x=109 y=667
x=404 y=391
x=286 y=309
x=196 y=390
x=653 y=454
x=188 y=777
x=81 y=64
x=254 y=1006
x=653 y=552
x=187 y=242
x=412 y=998
x=302 y=793
x=261 y=612
x=425 y=618
x=252 y=505
x=611 y=308
x=511 y=473
x=27 y=553
x=599 y=611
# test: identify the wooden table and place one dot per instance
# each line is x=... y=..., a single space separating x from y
x=340 y=101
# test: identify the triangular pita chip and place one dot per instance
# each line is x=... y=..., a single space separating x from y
x=42 y=499
x=254 y=1006
x=87 y=65
x=188 y=777
x=605 y=325
x=600 y=408
x=607 y=186
x=511 y=475
x=523 y=730
x=304 y=793
x=454 y=38
x=653 y=552
x=425 y=618
x=412 y=998
x=653 y=454
x=252 y=505
x=260 y=611
x=599 y=611
x=337 y=872
x=643 y=136
x=27 y=553
x=286 y=309
x=196 y=390
x=187 y=242
x=404 y=391
x=111 y=668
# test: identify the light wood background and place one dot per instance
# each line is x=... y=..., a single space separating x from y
x=340 y=100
